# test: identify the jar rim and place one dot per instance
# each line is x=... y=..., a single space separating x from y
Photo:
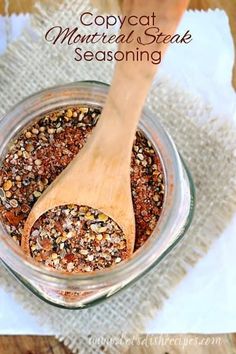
x=151 y=252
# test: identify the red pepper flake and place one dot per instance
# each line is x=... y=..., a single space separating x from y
x=46 y=244
x=69 y=257
x=14 y=219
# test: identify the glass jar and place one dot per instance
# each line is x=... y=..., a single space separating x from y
x=82 y=290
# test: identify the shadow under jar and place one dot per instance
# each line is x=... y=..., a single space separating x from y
x=81 y=290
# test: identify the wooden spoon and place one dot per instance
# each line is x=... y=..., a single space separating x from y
x=99 y=176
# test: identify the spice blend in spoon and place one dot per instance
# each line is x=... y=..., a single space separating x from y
x=72 y=238
x=36 y=157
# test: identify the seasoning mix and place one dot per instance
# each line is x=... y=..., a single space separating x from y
x=71 y=237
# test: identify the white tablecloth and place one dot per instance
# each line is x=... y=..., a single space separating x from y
x=204 y=301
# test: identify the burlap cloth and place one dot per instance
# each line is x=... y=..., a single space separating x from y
x=208 y=149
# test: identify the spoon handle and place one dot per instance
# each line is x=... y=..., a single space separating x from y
x=132 y=81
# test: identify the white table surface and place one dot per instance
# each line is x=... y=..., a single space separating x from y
x=204 y=301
